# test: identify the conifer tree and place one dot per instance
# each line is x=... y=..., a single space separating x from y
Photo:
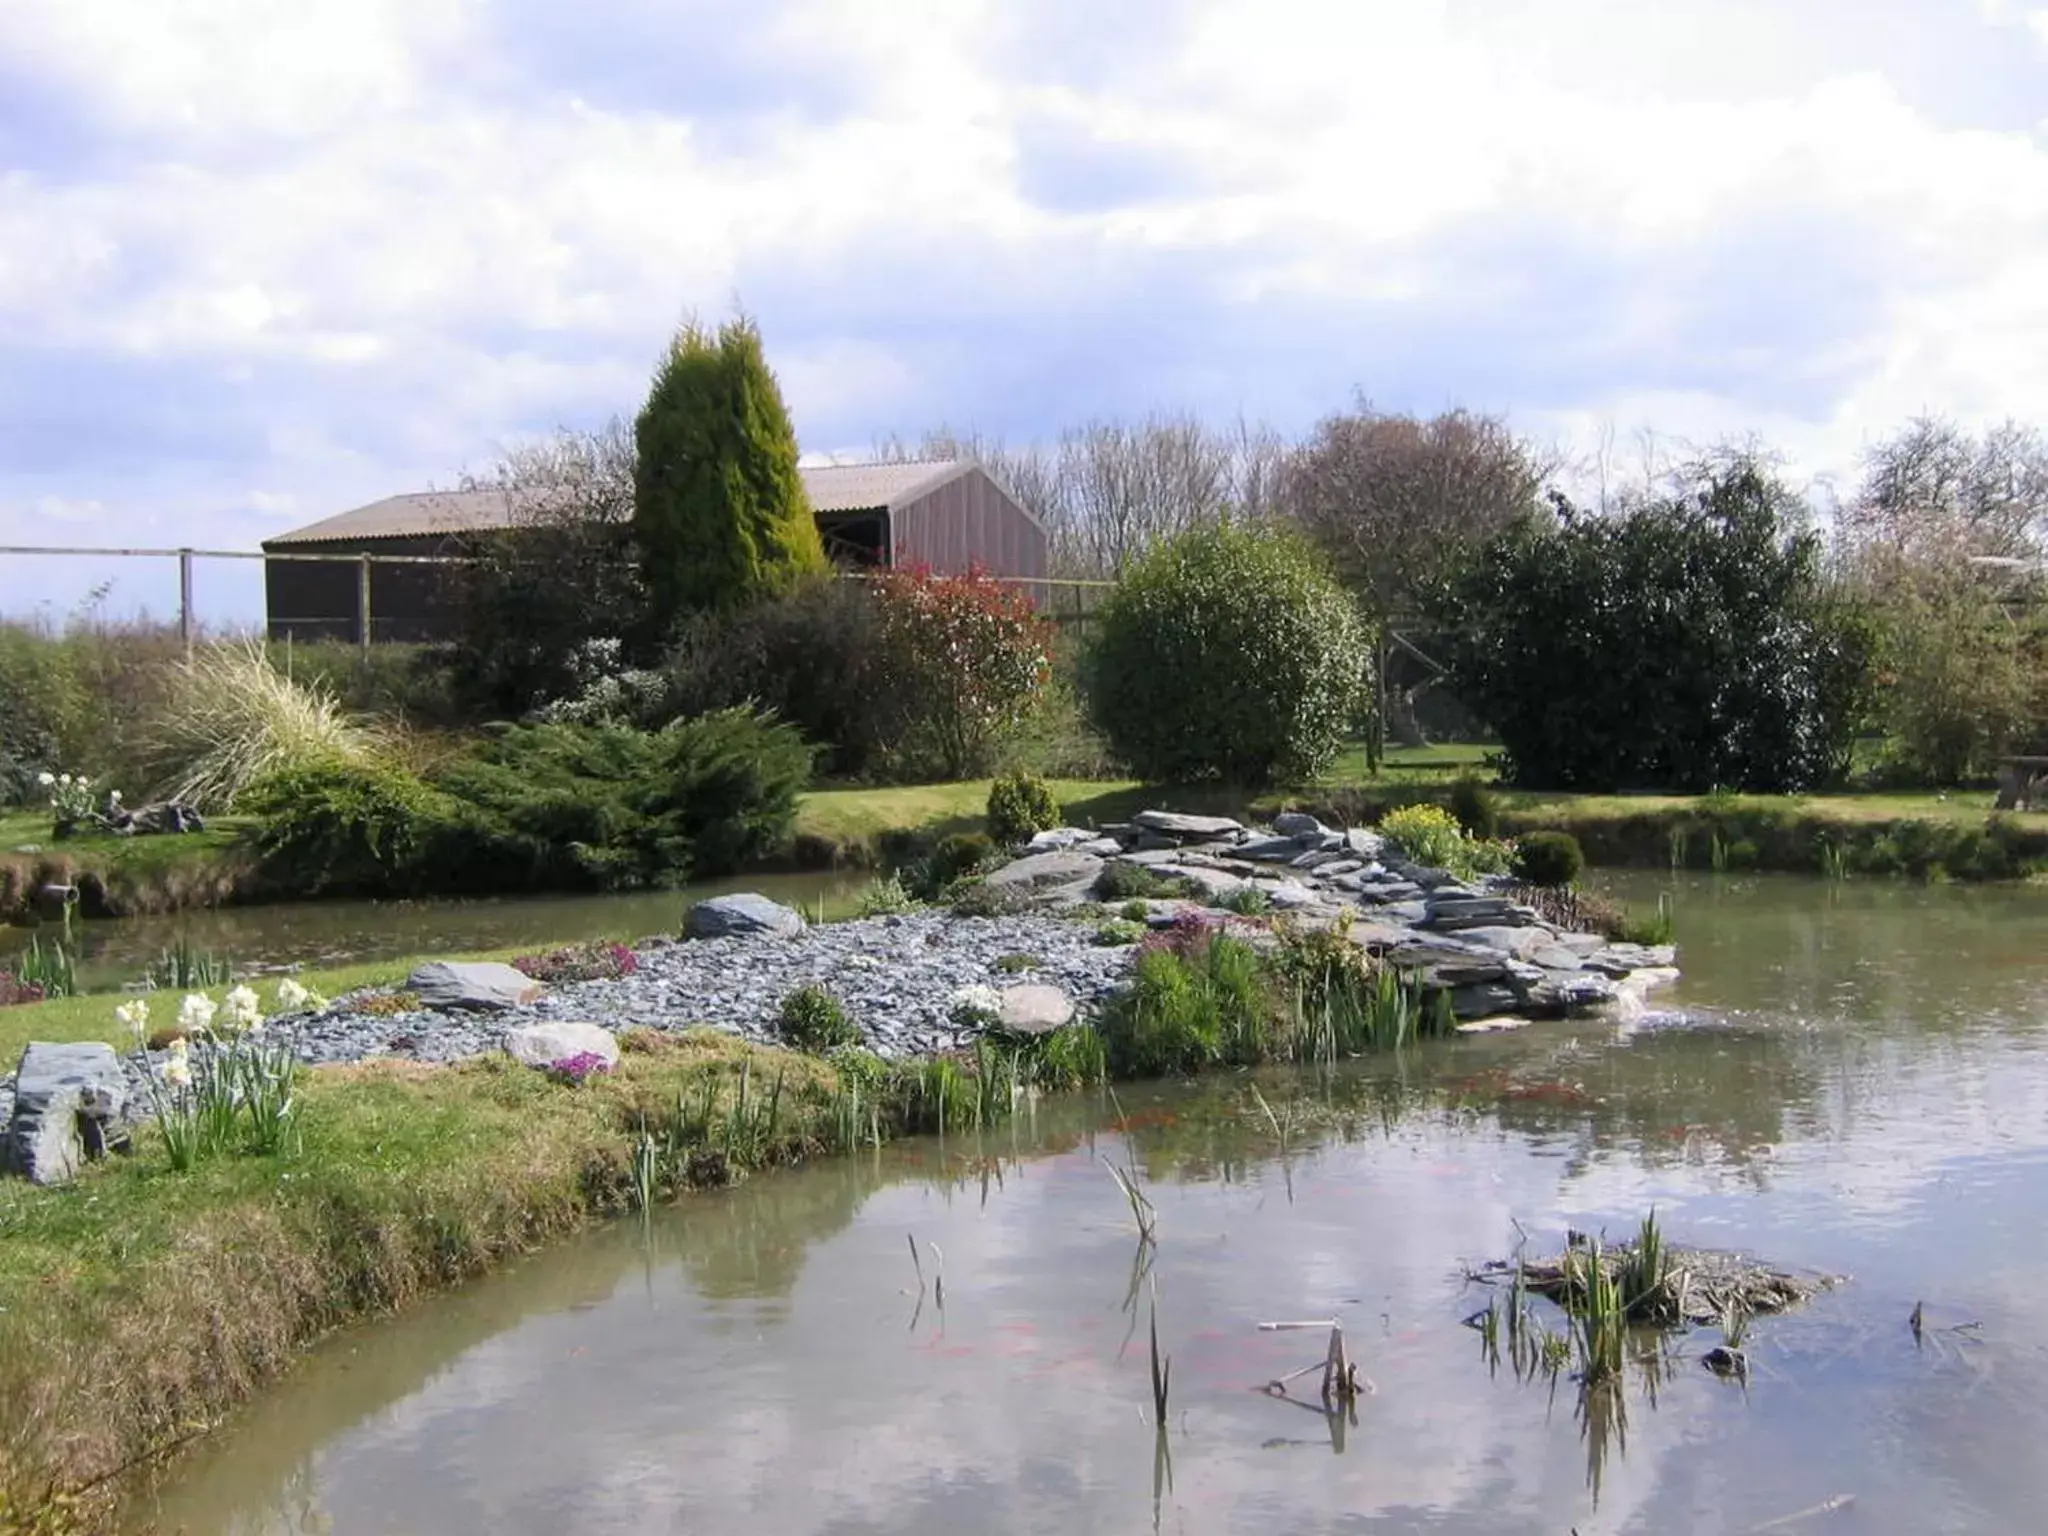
x=719 y=512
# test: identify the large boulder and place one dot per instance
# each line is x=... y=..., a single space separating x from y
x=741 y=916
x=1040 y=869
x=1034 y=1009
x=71 y=1103
x=542 y=1045
x=1185 y=828
x=478 y=986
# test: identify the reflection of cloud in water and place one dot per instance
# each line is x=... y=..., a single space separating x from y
x=758 y=1373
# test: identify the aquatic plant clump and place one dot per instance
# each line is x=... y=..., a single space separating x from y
x=1662 y=1285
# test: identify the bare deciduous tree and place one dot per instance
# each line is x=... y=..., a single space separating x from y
x=1935 y=490
x=562 y=574
x=1396 y=499
x=1106 y=491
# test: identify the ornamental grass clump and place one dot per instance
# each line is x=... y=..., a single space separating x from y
x=232 y=718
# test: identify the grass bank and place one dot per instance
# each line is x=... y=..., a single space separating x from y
x=1925 y=835
x=139 y=1304
x=125 y=876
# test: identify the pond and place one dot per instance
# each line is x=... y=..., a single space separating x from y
x=115 y=952
x=1860 y=1087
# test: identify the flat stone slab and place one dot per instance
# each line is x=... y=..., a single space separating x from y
x=1570 y=992
x=1056 y=838
x=1499 y=1023
x=1289 y=895
x=1034 y=1009
x=542 y=1045
x=1298 y=824
x=1522 y=943
x=1619 y=960
x=1178 y=824
x=483 y=986
x=1066 y=868
x=71 y=1103
x=744 y=914
x=1271 y=850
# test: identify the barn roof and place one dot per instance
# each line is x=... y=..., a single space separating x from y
x=831 y=488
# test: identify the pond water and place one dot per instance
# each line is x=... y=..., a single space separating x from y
x=1862 y=1088
x=114 y=952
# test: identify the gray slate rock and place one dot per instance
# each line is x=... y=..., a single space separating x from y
x=1521 y=942
x=1483 y=1001
x=1619 y=959
x=1298 y=824
x=542 y=1045
x=1034 y=1009
x=1056 y=838
x=725 y=917
x=1290 y=895
x=1270 y=850
x=478 y=986
x=1034 y=870
x=1178 y=824
x=71 y=1103
x=1569 y=992
x=1365 y=842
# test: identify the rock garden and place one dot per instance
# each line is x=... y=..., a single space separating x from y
x=1049 y=938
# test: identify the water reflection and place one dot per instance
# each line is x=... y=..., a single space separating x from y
x=315 y=933
x=773 y=1358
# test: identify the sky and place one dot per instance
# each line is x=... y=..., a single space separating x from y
x=265 y=260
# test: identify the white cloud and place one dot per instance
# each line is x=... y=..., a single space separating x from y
x=412 y=242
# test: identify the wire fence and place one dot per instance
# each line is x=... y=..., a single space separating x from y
x=339 y=596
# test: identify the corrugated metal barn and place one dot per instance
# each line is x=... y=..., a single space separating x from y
x=949 y=515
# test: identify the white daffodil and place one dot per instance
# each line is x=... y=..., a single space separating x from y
x=242 y=1012
x=195 y=1015
x=178 y=1070
x=46 y=779
x=114 y=795
x=291 y=996
x=64 y=779
x=136 y=1016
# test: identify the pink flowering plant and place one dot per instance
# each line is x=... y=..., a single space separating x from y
x=597 y=961
x=578 y=1069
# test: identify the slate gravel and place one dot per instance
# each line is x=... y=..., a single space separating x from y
x=895 y=975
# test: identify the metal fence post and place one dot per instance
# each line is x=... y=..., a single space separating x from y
x=185 y=600
x=363 y=605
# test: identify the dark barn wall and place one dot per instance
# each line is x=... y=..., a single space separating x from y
x=316 y=600
x=967 y=521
